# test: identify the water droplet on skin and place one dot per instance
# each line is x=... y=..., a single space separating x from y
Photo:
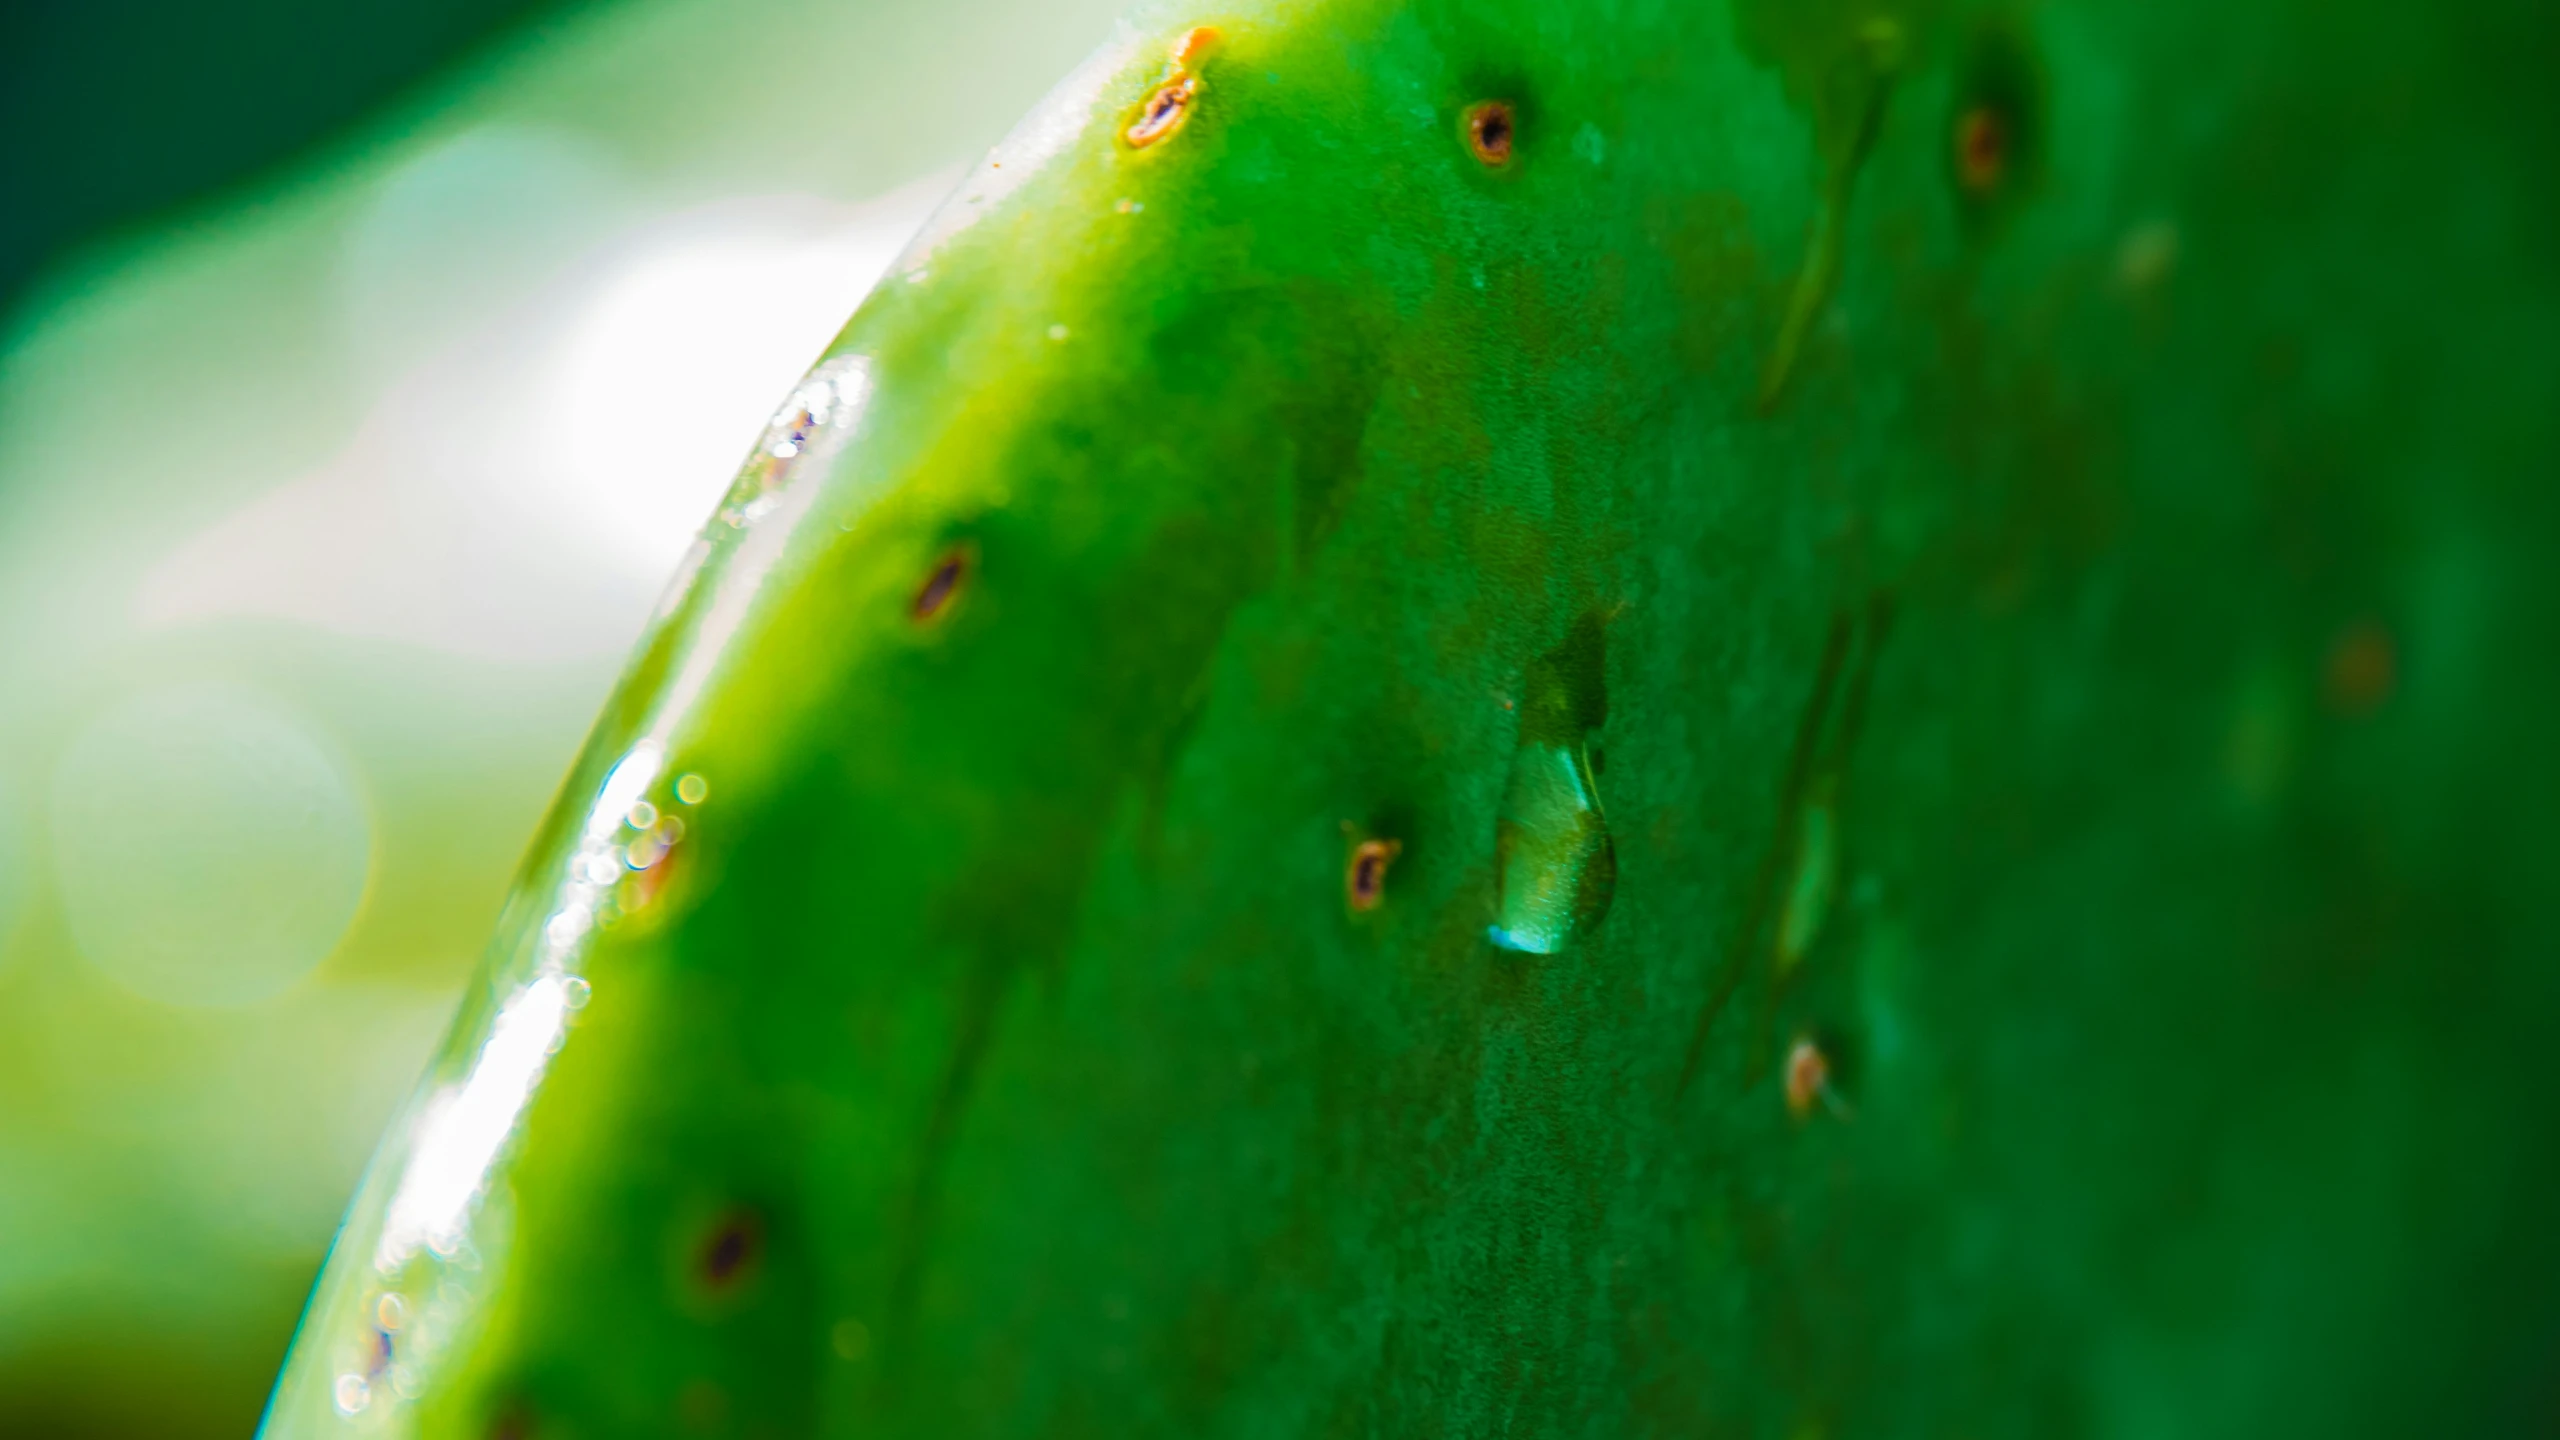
x=1058 y=332
x=575 y=992
x=1557 y=865
x=641 y=815
x=692 y=789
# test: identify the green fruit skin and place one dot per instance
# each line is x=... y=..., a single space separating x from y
x=2053 y=631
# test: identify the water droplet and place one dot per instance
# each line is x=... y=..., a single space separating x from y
x=391 y=1311
x=1556 y=861
x=1058 y=332
x=641 y=815
x=1556 y=865
x=575 y=992
x=824 y=398
x=692 y=788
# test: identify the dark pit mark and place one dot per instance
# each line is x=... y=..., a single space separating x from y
x=1490 y=128
x=943 y=585
x=1981 y=149
x=1164 y=111
x=729 y=1254
x=1994 y=134
x=1364 y=882
x=2362 y=670
x=1808 y=1078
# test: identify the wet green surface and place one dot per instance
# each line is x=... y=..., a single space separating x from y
x=2062 y=636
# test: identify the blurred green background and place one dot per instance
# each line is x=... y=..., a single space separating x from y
x=363 y=367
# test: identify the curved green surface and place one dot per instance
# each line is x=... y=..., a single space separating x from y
x=1944 y=608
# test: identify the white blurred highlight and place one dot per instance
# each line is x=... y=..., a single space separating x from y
x=463 y=1126
x=520 y=492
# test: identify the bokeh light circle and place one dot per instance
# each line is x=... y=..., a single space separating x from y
x=208 y=850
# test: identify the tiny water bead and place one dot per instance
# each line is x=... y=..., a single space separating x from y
x=1556 y=863
x=812 y=422
x=1364 y=881
x=817 y=401
x=1490 y=126
x=692 y=789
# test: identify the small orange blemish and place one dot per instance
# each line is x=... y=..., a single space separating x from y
x=943 y=584
x=1490 y=128
x=1171 y=103
x=1195 y=44
x=1164 y=111
x=1364 y=881
x=1809 y=1081
x=1981 y=149
x=2363 y=668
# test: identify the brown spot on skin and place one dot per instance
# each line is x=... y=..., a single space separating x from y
x=1171 y=103
x=704 y=1405
x=1490 y=129
x=1808 y=1079
x=1364 y=881
x=512 y=1423
x=730 y=1253
x=2363 y=667
x=1981 y=149
x=1164 y=111
x=943 y=584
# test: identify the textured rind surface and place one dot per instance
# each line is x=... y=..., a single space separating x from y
x=2095 y=688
